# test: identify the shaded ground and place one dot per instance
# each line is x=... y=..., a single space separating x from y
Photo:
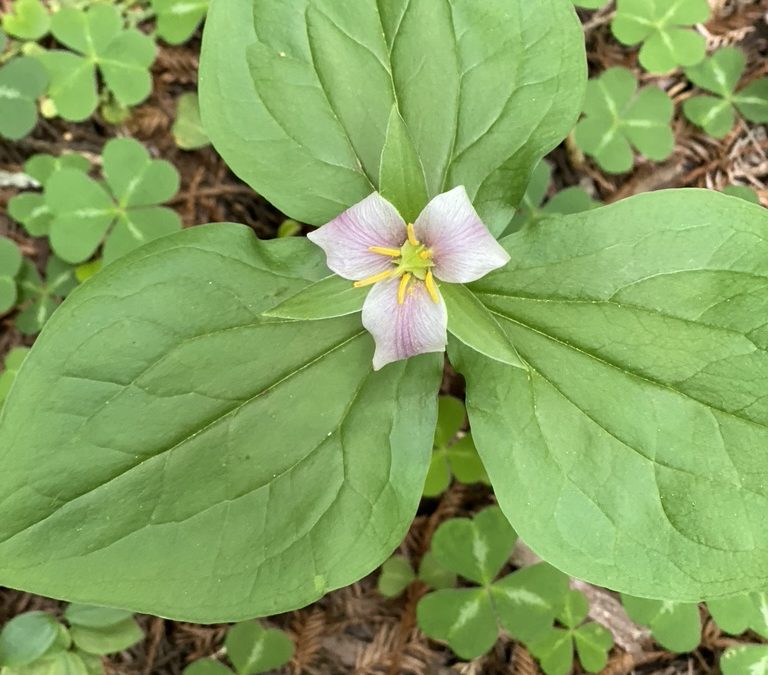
x=355 y=630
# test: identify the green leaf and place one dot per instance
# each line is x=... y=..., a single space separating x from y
x=733 y=615
x=149 y=397
x=554 y=650
x=177 y=20
x=22 y=81
x=433 y=574
x=39 y=298
x=401 y=175
x=471 y=323
x=207 y=667
x=658 y=24
x=89 y=616
x=617 y=117
x=742 y=192
x=451 y=417
x=752 y=101
x=593 y=642
x=574 y=609
x=590 y=4
x=72 y=87
x=675 y=626
x=396 y=575
x=42 y=167
x=26 y=637
x=10 y=264
x=27 y=20
x=658 y=299
x=188 y=131
x=752 y=659
x=326 y=299
x=252 y=649
x=309 y=85
x=13 y=362
x=107 y=639
x=476 y=549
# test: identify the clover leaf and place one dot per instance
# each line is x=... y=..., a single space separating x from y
x=739 y=613
x=742 y=192
x=98 y=39
x=22 y=81
x=676 y=626
x=38 y=298
x=454 y=453
x=188 y=131
x=617 y=117
x=124 y=214
x=29 y=208
x=720 y=75
x=13 y=362
x=397 y=574
x=745 y=660
x=254 y=649
x=533 y=207
x=591 y=641
x=27 y=20
x=177 y=20
x=10 y=264
x=662 y=27
x=523 y=603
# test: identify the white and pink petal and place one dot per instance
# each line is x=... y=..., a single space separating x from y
x=462 y=247
x=418 y=326
x=347 y=238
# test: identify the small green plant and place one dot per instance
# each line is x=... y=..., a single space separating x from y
x=27 y=20
x=454 y=452
x=742 y=192
x=745 y=660
x=35 y=642
x=523 y=603
x=720 y=75
x=123 y=215
x=188 y=131
x=397 y=574
x=99 y=42
x=663 y=28
x=13 y=361
x=251 y=648
x=10 y=265
x=676 y=626
x=740 y=613
x=22 y=81
x=177 y=20
x=39 y=296
x=592 y=642
x=617 y=117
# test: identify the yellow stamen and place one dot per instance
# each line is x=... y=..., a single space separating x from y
x=412 y=235
x=426 y=254
x=382 y=250
x=402 y=287
x=429 y=281
x=376 y=278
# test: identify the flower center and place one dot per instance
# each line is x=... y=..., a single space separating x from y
x=412 y=262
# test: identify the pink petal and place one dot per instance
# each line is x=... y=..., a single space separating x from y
x=345 y=240
x=462 y=247
x=418 y=326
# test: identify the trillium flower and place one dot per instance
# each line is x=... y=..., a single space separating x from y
x=371 y=245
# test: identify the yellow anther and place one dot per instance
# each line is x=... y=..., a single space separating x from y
x=412 y=235
x=429 y=281
x=381 y=276
x=426 y=254
x=383 y=250
x=402 y=287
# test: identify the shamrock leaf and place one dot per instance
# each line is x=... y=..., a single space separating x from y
x=533 y=207
x=177 y=20
x=659 y=25
x=188 y=128
x=617 y=117
x=720 y=75
x=39 y=298
x=745 y=660
x=676 y=626
x=592 y=642
x=739 y=613
x=524 y=603
x=27 y=20
x=207 y=667
x=10 y=264
x=397 y=574
x=254 y=649
x=98 y=40
x=29 y=208
x=13 y=362
x=124 y=213
x=22 y=80
x=453 y=454
x=742 y=192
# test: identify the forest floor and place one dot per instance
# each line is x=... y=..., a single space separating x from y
x=356 y=630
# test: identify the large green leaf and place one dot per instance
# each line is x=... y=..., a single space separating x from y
x=633 y=453
x=193 y=460
x=484 y=90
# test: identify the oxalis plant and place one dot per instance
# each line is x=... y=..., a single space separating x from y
x=216 y=427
